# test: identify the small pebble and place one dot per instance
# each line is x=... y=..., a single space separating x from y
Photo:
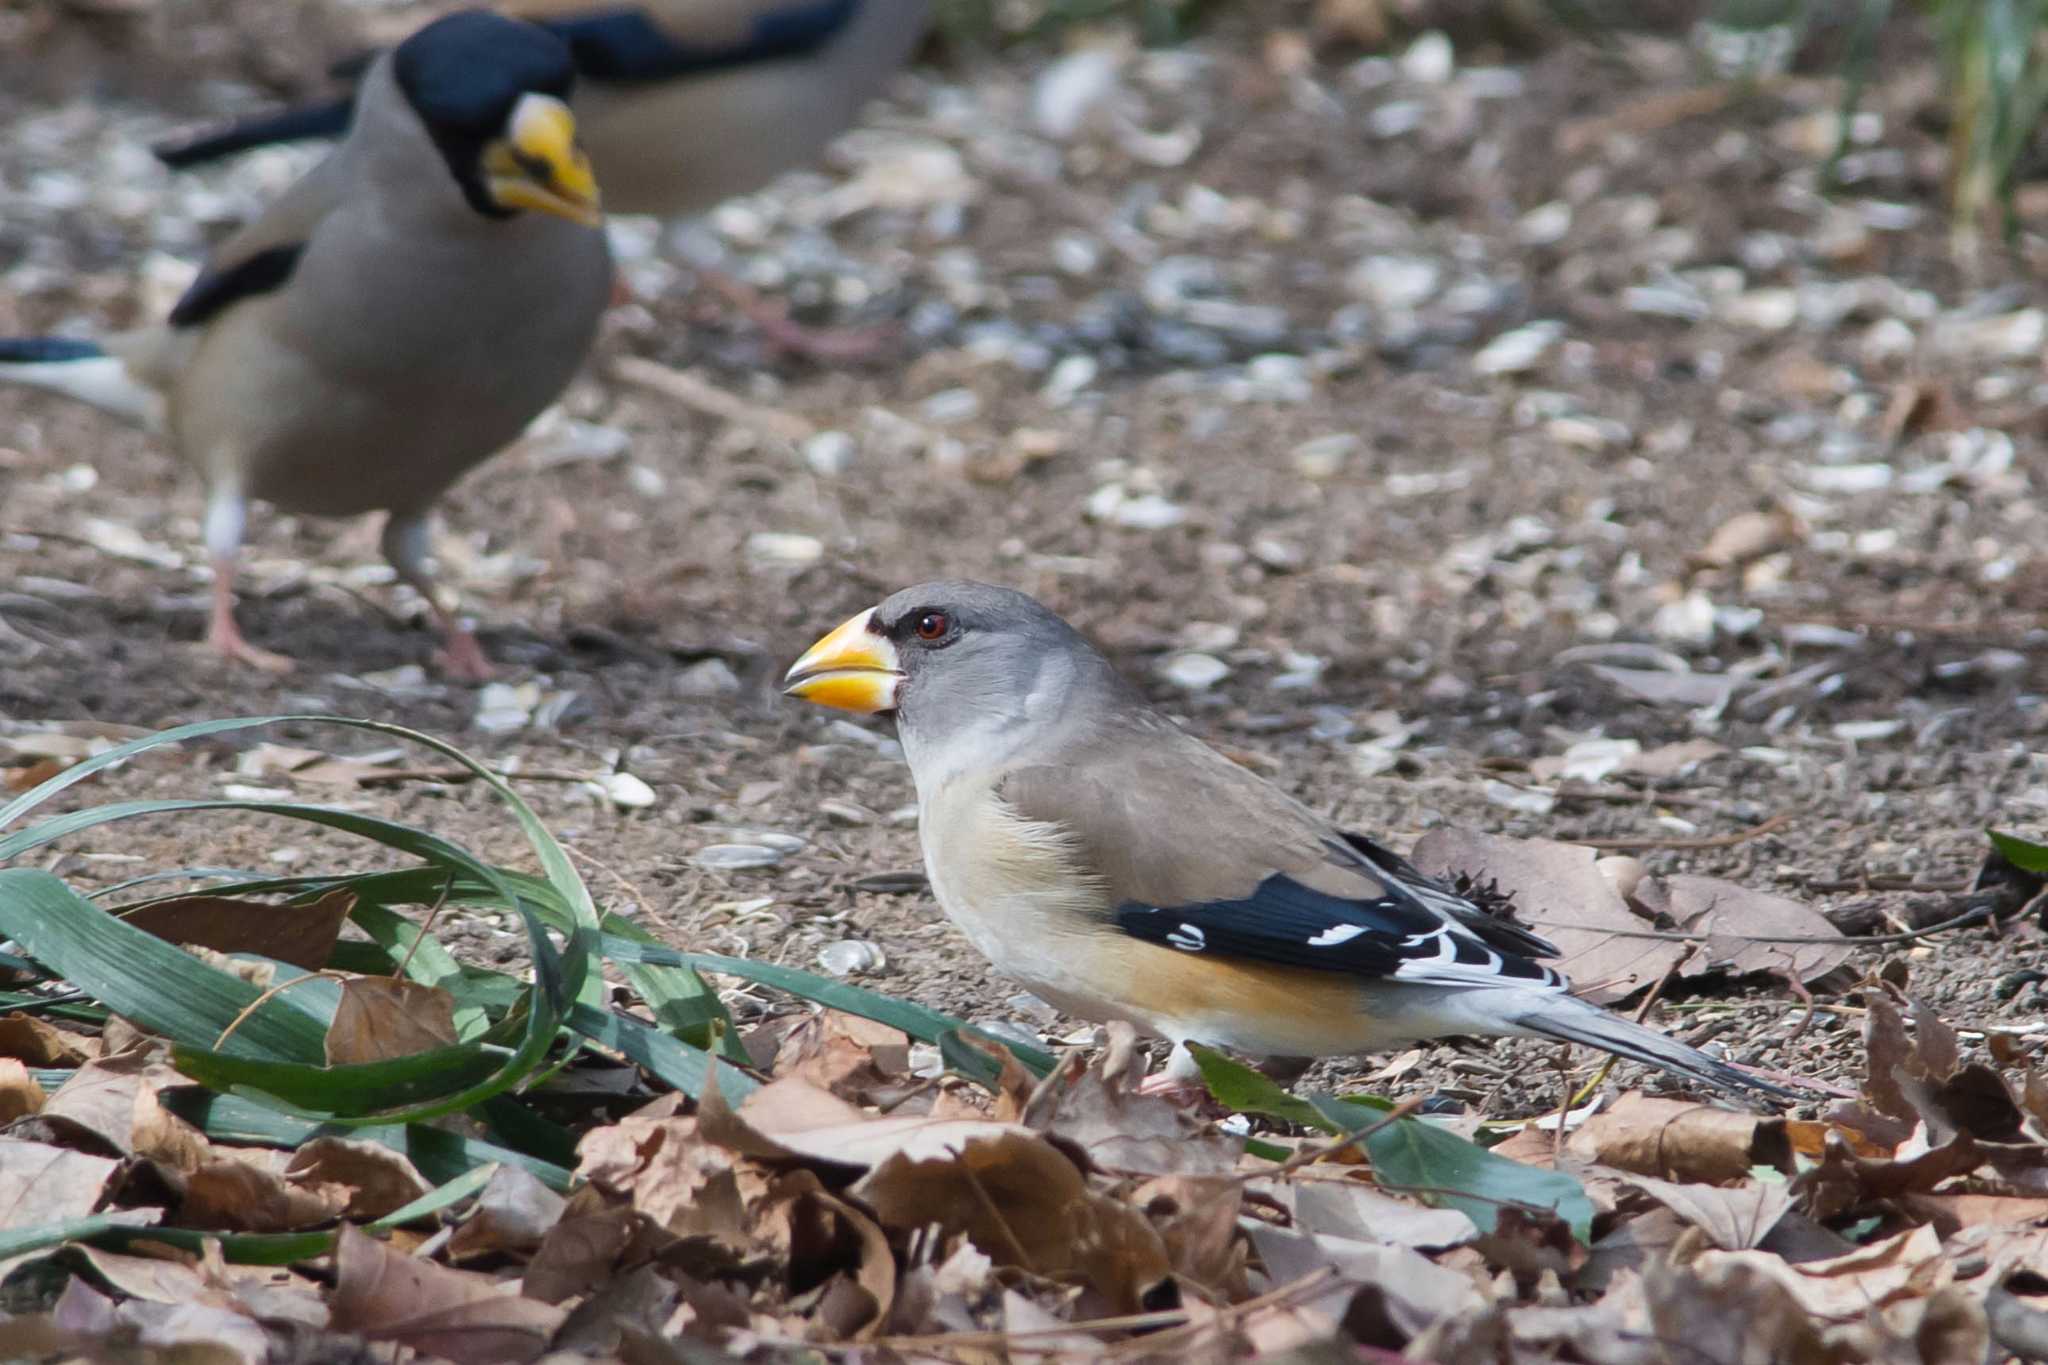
x=731 y=857
x=851 y=957
x=1194 y=671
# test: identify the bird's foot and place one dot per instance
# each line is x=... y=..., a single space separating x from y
x=462 y=659
x=228 y=641
x=827 y=345
x=1179 y=1090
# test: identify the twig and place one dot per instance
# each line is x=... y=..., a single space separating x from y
x=1125 y=1322
x=1778 y=821
x=1798 y=988
x=1308 y=1155
x=454 y=775
x=1968 y=917
x=699 y=396
x=279 y=989
x=1881 y=883
x=420 y=936
x=988 y=1206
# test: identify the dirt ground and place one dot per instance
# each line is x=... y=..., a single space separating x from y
x=1414 y=390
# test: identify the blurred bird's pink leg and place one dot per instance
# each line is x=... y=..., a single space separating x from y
x=1178 y=1082
x=405 y=546
x=838 y=344
x=226 y=517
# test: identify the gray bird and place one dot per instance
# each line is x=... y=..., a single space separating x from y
x=1121 y=869
x=685 y=103
x=396 y=317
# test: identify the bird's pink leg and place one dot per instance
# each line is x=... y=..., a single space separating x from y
x=226 y=516
x=405 y=546
x=834 y=344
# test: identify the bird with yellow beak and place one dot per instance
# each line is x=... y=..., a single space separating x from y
x=1119 y=868
x=395 y=318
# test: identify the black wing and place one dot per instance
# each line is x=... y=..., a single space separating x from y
x=1287 y=924
x=626 y=45
x=257 y=273
x=330 y=119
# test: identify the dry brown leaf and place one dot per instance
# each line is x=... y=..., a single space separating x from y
x=514 y=1212
x=238 y=1194
x=1734 y=917
x=381 y=1017
x=377 y=1179
x=1401 y=1289
x=1555 y=885
x=1949 y=1214
x=37 y=1042
x=1679 y=1140
x=1121 y=1130
x=819 y=1236
x=792 y=1118
x=1749 y=535
x=1732 y=1313
x=1846 y=1288
x=20 y=1094
x=638 y=1302
x=388 y=1296
x=1628 y=1246
x=43 y=1184
x=1842 y=1180
x=146 y=1277
x=175 y=1333
x=302 y=935
x=689 y=1187
x=113 y=1100
x=1344 y=1203
x=1024 y=1203
x=854 y=1058
x=1042 y=1334
x=579 y=1253
x=1197 y=1220
x=1734 y=1219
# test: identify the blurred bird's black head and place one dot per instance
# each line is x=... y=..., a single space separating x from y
x=471 y=77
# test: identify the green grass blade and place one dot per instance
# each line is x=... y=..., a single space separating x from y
x=160 y=987
x=436 y=1153
x=924 y=1024
x=440 y=1197
x=1439 y=1167
x=673 y=1061
x=371 y=1092
x=2024 y=854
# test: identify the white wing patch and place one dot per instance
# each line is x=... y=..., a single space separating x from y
x=1450 y=956
x=1336 y=934
x=1188 y=938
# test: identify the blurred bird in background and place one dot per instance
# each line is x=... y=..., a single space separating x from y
x=391 y=321
x=683 y=104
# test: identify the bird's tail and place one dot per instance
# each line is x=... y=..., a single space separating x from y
x=1572 y=1020
x=328 y=119
x=84 y=370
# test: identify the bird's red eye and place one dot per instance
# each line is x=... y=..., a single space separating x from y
x=932 y=625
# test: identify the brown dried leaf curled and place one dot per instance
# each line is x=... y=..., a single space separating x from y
x=381 y=1017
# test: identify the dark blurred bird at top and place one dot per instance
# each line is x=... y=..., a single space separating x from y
x=393 y=319
x=682 y=104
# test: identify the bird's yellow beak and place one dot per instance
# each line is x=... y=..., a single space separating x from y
x=537 y=164
x=855 y=668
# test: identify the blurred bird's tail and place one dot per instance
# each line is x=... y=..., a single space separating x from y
x=1572 y=1020
x=84 y=370
x=330 y=119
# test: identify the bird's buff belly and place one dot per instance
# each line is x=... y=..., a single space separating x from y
x=1099 y=976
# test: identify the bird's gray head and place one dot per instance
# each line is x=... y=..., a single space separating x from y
x=492 y=92
x=955 y=659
